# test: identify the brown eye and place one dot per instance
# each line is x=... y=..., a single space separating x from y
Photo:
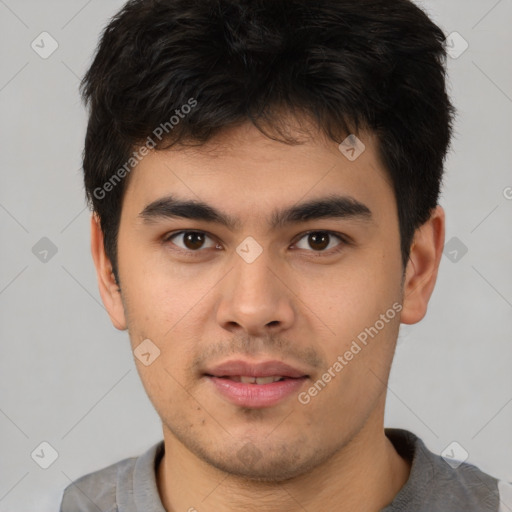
x=190 y=240
x=193 y=240
x=319 y=241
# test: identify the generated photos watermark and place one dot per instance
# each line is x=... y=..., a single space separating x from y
x=137 y=156
x=342 y=360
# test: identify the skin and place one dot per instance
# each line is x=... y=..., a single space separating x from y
x=294 y=303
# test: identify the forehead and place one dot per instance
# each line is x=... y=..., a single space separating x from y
x=244 y=173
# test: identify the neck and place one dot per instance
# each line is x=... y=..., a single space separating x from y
x=365 y=475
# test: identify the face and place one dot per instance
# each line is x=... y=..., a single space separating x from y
x=303 y=289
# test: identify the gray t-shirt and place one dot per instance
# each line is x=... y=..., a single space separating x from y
x=433 y=485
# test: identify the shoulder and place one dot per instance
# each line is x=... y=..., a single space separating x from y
x=96 y=490
x=466 y=484
x=439 y=483
x=109 y=488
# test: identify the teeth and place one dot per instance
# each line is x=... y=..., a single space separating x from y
x=255 y=380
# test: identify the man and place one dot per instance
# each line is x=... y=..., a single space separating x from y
x=264 y=178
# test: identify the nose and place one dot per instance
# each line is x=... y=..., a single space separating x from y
x=255 y=298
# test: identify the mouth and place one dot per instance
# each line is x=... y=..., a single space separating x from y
x=253 y=380
x=246 y=370
x=256 y=385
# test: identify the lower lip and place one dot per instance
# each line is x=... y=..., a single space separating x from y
x=256 y=395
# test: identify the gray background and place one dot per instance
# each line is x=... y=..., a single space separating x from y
x=68 y=377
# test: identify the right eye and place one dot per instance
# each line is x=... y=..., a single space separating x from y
x=190 y=241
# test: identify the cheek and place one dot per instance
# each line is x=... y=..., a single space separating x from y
x=157 y=296
x=162 y=387
x=348 y=298
x=348 y=302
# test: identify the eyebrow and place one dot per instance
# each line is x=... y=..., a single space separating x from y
x=330 y=207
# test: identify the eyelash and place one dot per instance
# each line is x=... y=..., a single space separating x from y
x=188 y=252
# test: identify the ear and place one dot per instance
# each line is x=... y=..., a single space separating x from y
x=109 y=290
x=422 y=267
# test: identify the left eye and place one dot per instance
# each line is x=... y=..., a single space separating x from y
x=319 y=240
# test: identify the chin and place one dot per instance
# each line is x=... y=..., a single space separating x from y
x=252 y=463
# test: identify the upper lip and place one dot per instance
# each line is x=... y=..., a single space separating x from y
x=262 y=369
